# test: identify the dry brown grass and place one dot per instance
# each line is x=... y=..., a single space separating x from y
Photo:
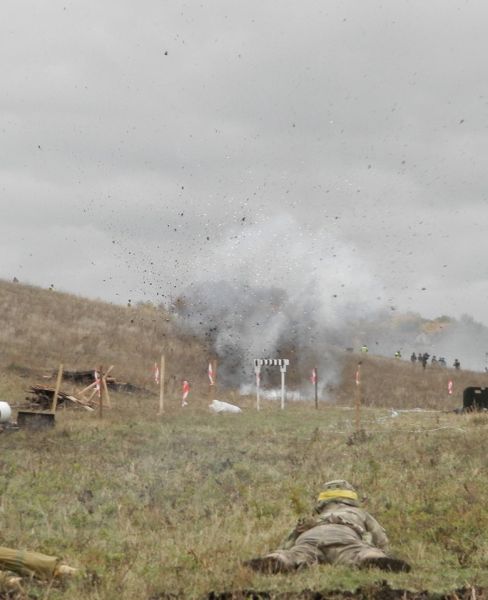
x=41 y=328
x=399 y=384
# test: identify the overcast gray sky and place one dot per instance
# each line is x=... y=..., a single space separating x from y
x=148 y=145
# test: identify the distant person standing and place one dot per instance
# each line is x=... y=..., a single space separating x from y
x=425 y=358
x=456 y=364
x=413 y=358
x=433 y=360
x=442 y=361
x=419 y=357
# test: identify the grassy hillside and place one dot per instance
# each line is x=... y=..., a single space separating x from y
x=399 y=384
x=41 y=328
x=167 y=507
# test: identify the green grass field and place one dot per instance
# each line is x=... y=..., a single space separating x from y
x=168 y=507
x=152 y=507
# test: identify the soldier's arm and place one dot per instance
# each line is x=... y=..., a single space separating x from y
x=303 y=525
x=378 y=534
x=289 y=540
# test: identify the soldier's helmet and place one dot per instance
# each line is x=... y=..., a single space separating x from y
x=338 y=490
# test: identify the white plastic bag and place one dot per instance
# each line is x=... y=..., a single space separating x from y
x=5 y=412
x=218 y=407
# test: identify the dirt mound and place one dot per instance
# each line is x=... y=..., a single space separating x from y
x=377 y=592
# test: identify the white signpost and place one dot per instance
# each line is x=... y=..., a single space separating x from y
x=282 y=363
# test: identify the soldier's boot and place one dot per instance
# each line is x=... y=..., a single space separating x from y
x=386 y=563
x=272 y=563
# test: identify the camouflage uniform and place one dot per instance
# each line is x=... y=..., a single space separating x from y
x=340 y=534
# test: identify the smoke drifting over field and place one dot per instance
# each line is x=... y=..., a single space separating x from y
x=281 y=291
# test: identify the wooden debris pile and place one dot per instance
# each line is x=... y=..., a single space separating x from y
x=42 y=398
x=87 y=377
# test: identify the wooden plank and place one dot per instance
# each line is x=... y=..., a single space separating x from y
x=88 y=387
x=105 y=388
x=100 y=392
x=56 y=391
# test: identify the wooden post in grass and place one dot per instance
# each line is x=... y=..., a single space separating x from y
x=94 y=386
x=315 y=381
x=105 y=388
x=100 y=391
x=56 y=391
x=161 y=386
x=317 y=392
x=358 y=397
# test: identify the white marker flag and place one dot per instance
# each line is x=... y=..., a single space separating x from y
x=156 y=372
x=449 y=387
x=313 y=377
x=211 y=374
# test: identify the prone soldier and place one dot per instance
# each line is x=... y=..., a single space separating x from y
x=341 y=533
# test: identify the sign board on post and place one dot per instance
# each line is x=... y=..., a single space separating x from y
x=270 y=362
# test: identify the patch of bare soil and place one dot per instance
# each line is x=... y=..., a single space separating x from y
x=377 y=592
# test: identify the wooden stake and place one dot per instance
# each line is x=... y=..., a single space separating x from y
x=100 y=375
x=56 y=391
x=161 y=386
x=105 y=386
x=108 y=370
x=92 y=385
x=316 y=389
x=93 y=393
x=88 y=387
x=105 y=389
